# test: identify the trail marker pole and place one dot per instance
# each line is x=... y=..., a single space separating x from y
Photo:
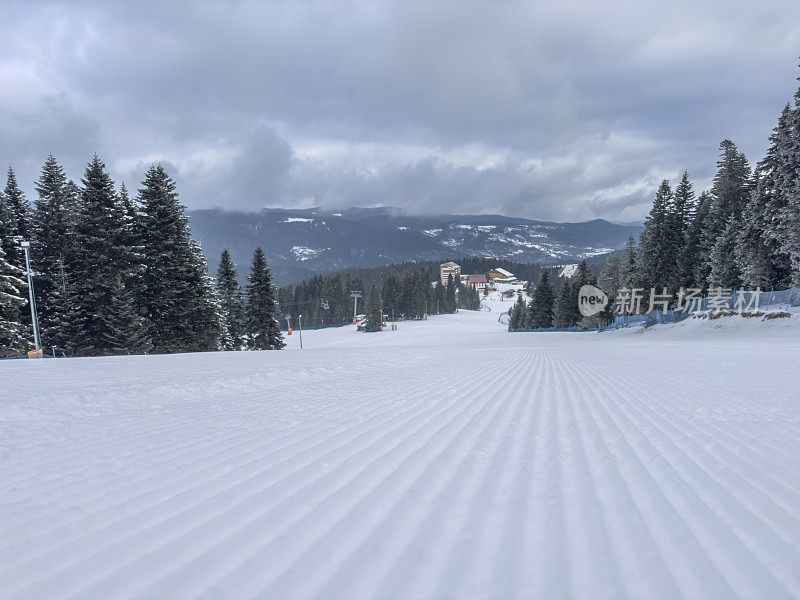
x=300 y=327
x=26 y=246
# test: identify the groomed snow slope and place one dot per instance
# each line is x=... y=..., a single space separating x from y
x=446 y=459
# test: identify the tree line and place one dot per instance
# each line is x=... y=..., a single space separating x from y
x=743 y=233
x=401 y=291
x=117 y=274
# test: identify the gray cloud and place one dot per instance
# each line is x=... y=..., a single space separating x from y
x=558 y=110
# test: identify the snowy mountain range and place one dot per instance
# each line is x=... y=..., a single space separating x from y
x=300 y=243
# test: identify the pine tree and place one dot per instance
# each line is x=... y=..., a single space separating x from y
x=373 y=310
x=564 y=310
x=724 y=272
x=659 y=243
x=778 y=190
x=53 y=252
x=610 y=280
x=693 y=262
x=729 y=194
x=517 y=314
x=584 y=277
x=204 y=304
x=232 y=312
x=13 y=335
x=759 y=259
x=450 y=304
x=630 y=266
x=100 y=320
x=421 y=294
x=540 y=314
x=262 y=309
x=684 y=207
x=174 y=280
x=15 y=213
x=391 y=294
x=9 y=233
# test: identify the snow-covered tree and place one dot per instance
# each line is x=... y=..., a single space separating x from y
x=174 y=281
x=610 y=280
x=53 y=224
x=724 y=272
x=231 y=303
x=516 y=314
x=100 y=320
x=373 y=309
x=262 y=309
x=14 y=338
x=630 y=265
x=693 y=260
x=204 y=304
x=729 y=194
x=15 y=216
x=684 y=207
x=540 y=312
x=660 y=242
x=391 y=294
x=782 y=210
x=564 y=309
x=450 y=303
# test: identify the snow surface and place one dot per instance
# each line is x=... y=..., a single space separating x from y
x=446 y=459
x=302 y=253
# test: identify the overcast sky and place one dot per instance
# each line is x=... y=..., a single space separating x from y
x=548 y=110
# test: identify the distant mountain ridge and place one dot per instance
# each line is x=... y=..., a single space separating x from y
x=300 y=243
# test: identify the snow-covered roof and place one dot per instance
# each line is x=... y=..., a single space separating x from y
x=449 y=265
x=503 y=272
x=568 y=271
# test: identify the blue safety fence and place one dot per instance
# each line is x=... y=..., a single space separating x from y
x=737 y=301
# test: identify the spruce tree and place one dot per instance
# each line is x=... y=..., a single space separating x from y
x=564 y=310
x=14 y=339
x=584 y=277
x=517 y=314
x=174 y=281
x=450 y=295
x=693 y=261
x=759 y=259
x=391 y=294
x=541 y=308
x=684 y=207
x=781 y=198
x=729 y=194
x=373 y=310
x=660 y=243
x=9 y=233
x=610 y=280
x=262 y=309
x=630 y=266
x=204 y=304
x=724 y=272
x=100 y=303
x=16 y=215
x=232 y=310
x=53 y=253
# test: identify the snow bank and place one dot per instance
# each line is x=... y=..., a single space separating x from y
x=445 y=459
